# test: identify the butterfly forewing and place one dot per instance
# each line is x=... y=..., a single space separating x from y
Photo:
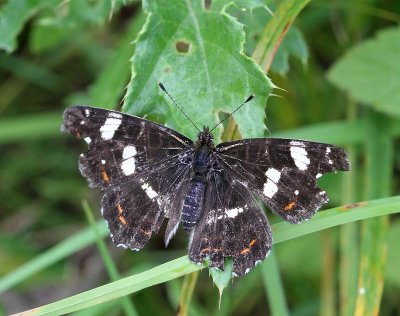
x=283 y=172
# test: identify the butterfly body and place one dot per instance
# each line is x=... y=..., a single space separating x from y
x=150 y=173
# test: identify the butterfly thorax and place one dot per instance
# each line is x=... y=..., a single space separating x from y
x=202 y=153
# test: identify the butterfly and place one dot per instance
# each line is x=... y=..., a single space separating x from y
x=150 y=173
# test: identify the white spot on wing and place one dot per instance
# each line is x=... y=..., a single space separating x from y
x=128 y=166
x=270 y=187
x=87 y=112
x=296 y=143
x=234 y=212
x=83 y=122
x=122 y=246
x=296 y=192
x=129 y=151
x=149 y=191
x=299 y=155
x=328 y=150
x=88 y=140
x=319 y=175
x=330 y=161
x=229 y=146
x=171 y=234
x=273 y=174
x=103 y=162
x=110 y=126
x=116 y=115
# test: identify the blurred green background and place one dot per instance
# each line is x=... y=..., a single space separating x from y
x=338 y=78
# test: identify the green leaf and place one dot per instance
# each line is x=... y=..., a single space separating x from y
x=221 y=278
x=370 y=72
x=201 y=80
x=13 y=15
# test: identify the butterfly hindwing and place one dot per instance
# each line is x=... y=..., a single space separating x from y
x=284 y=172
x=232 y=225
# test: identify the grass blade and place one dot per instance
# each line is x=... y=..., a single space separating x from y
x=273 y=286
x=181 y=266
x=60 y=251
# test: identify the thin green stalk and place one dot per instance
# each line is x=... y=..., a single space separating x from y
x=373 y=255
x=273 y=285
x=127 y=304
x=189 y=283
x=276 y=30
x=328 y=299
x=349 y=234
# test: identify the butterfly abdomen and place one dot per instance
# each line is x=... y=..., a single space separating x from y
x=193 y=205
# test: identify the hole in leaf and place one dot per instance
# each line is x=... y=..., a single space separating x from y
x=182 y=47
x=207 y=4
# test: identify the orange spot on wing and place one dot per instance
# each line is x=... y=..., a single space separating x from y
x=205 y=250
x=290 y=206
x=104 y=174
x=105 y=177
x=122 y=219
x=246 y=250
x=146 y=232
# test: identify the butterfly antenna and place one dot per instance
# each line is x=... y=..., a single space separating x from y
x=165 y=90
x=229 y=115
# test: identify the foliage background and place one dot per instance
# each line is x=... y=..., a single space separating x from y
x=338 y=74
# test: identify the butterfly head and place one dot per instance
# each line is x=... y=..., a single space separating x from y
x=205 y=138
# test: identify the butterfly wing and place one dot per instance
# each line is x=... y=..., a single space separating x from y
x=232 y=225
x=283 y=172
x=140 y=165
